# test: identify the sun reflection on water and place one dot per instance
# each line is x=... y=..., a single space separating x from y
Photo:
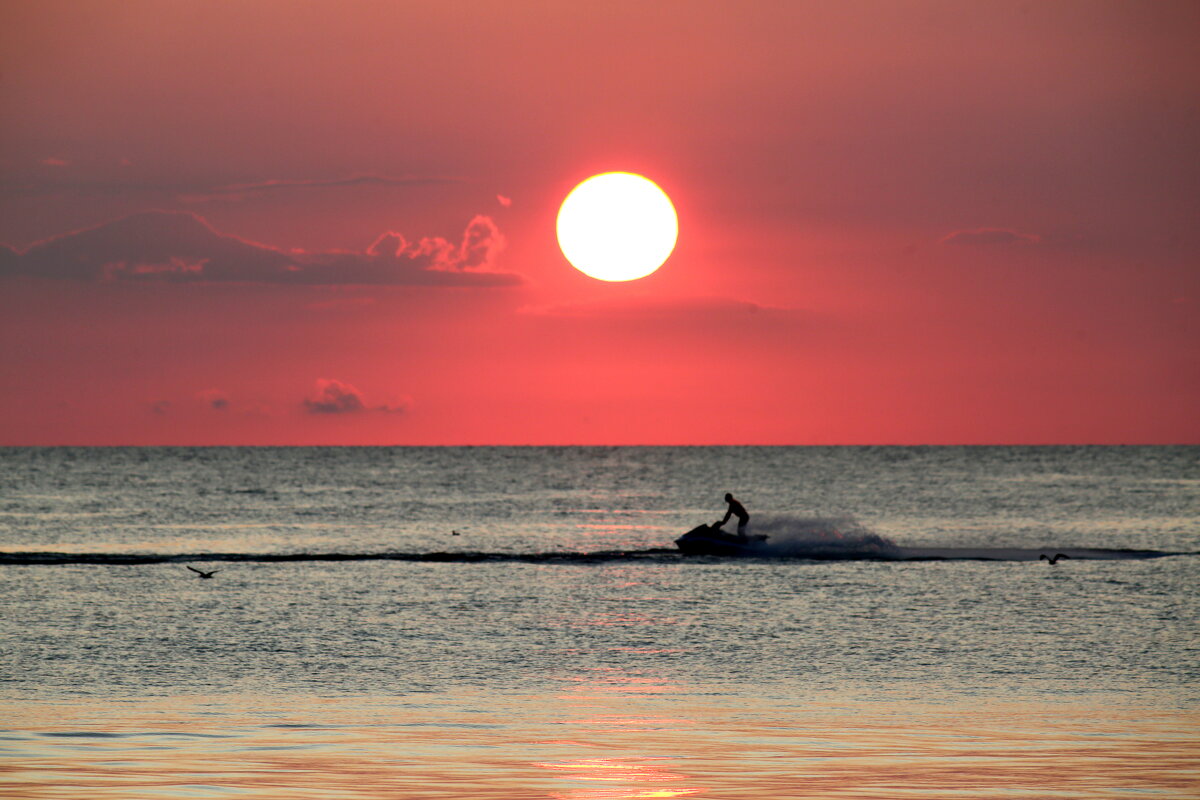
x=642 y=778
x=594 y=742
x=599 y=705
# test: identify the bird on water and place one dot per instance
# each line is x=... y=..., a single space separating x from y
x=201 y=572
x=1054 y=560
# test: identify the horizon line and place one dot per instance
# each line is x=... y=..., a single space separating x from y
x=597 y=444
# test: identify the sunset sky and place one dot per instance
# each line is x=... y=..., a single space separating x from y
x=278 y=222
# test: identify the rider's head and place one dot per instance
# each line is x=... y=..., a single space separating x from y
x=728 y=497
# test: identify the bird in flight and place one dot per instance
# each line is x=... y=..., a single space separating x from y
x=1054 y=560
x=201 y=572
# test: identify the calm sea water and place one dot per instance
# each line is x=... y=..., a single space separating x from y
x=514 y=623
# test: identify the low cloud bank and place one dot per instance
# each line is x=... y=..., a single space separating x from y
x=181 y=247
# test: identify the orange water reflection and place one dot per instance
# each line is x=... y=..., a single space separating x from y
x=601 y=705
x=641 y=778
x=609 y=735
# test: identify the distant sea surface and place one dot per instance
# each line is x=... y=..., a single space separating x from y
x=516 y=623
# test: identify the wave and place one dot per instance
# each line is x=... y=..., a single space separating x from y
x=822 y=551
x=459 y=557
x=824 y=537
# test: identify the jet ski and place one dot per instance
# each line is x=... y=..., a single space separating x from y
x=710 y=540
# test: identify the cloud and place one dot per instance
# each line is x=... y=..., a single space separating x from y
x=215 y=399
x=331 y=396
x=9 y=259
x=660 y=308
x=181 y=247
x=236 y=190
x=504 y=201
x=123 y=183
x=482 y=242
x=989 y=236
x=334 y=397
x=55 y=162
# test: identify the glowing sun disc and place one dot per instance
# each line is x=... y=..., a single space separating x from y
x=617 y=226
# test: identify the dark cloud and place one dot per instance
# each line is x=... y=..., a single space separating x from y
x=215 y=399
x=331 y=396
x=181 y=247
x=334 y=397
x=9 y=258
x=989 y=236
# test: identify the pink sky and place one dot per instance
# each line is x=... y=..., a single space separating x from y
x=324 y=223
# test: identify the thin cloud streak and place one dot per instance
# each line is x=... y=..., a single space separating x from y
x=237 y=190
x=59 y=181
x=658 y=308
x=990 y=236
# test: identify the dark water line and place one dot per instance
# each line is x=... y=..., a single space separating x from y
x=659 y=555
x=466 y=557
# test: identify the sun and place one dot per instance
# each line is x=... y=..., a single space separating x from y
x=617 y=226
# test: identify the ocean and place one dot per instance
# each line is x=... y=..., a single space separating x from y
x=515 y=622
